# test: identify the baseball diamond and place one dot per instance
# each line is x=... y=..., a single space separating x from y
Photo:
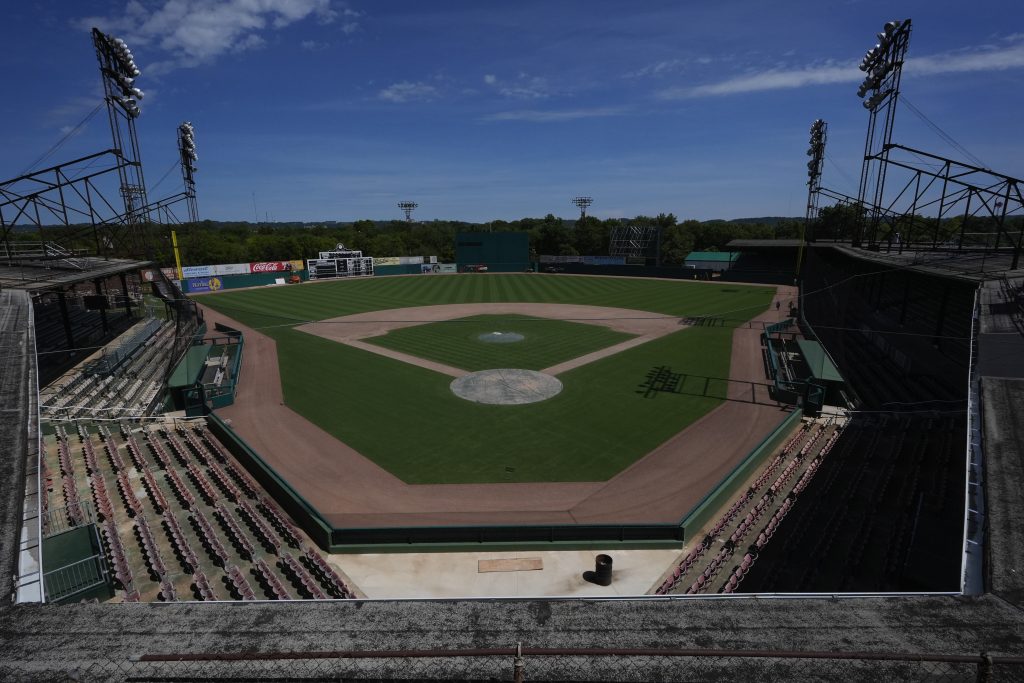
x=372 y=437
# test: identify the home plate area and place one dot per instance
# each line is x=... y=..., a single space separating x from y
x=506 y=386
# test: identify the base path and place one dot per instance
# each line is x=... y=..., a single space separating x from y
x=351 y=491
x=353 y=329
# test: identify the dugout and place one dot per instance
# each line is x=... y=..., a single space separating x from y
x=500 y=252
x=207 y=375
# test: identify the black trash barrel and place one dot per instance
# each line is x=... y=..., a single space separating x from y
x=602 y=574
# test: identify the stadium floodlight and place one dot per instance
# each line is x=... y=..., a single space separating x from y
x=407 y=207
x=883 y=62
x=583 y=203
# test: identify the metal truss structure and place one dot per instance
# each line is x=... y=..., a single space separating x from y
x=582 y=203
x=407 y=208
x=944 y=188
x=102 y=195
x=635 y=241
x=880 y=90
x=907 y=197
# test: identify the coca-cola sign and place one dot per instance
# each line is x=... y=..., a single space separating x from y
x=270 y=267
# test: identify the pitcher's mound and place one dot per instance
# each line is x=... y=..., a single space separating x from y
x=500 y=337
x=506 y=387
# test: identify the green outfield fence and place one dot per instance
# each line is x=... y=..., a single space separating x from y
x=494 y=536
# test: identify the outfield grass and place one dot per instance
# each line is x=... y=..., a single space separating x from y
x=457 y=343
x=406 y=419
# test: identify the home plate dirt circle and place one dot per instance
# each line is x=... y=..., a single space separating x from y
x=500 y=337
x=506 y=386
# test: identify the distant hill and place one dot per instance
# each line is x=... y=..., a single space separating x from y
x=763 y=220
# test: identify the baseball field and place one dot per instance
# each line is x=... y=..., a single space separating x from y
x=370 y=362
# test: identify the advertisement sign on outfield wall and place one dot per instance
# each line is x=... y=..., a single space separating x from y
x=197 y=271
x=204 y=284
x=439 y=268
x=231 y=269
x=270 y=267
x=386 y=261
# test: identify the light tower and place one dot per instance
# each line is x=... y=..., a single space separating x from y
x=407 y=207
x=881 y=87
x=117 y=66
x=583 y=203
x=187 y=150
x=816 y=152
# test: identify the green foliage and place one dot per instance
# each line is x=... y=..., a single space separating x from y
x=212 y=242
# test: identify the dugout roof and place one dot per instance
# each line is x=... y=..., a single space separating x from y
x=820 y=364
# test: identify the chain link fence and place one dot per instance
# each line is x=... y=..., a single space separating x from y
x=529 y=664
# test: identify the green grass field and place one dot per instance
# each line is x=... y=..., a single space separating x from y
x=457 y=343
x=406 y=419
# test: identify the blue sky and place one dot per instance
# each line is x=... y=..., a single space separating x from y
x=331 y=110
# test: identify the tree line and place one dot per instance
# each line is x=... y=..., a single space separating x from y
x=210 y=242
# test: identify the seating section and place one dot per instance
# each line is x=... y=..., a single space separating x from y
x=186 y=521
x=128 y=387
x=710 y=566
x=875 y=515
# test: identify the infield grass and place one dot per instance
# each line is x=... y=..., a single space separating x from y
x=406 y=419
x=457 y=342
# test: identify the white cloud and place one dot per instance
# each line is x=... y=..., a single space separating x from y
x=538 y=116
x=775 y=79
x=194 y=32
x=996 y=59
x=522 y=87
x=406 y=91
x=656 y=69
x=313 y=46
x=828 y=73
x=250 y=42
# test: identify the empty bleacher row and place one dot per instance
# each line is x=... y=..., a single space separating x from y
x=881 y=514
x=123 y=348
x=129 y=390
x=768 y=497
x=179 y=519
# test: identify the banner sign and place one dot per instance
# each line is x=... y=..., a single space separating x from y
x=297 y=264
x=386 y=261
x=169 y=273
x=204 y=284
x=270 y=267
x=410 y=260
x=231 y=269
x=439 y=268
x=197 y=271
